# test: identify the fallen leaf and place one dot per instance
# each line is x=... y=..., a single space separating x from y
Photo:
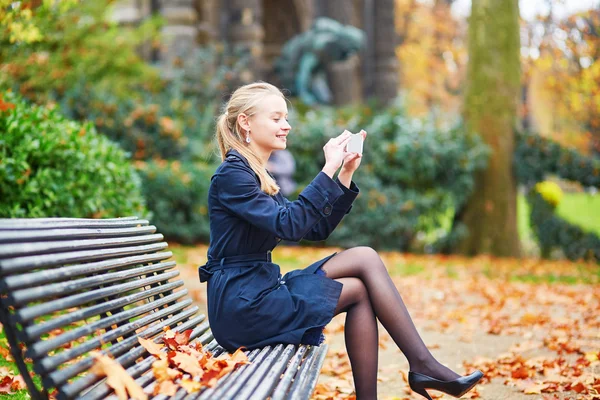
x=117 y=378
x=152 y=347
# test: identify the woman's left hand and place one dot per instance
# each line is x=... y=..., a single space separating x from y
x=352 y=160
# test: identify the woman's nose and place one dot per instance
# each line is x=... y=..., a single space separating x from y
x=286 y=126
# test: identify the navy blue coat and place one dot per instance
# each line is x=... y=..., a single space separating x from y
x=250 y=303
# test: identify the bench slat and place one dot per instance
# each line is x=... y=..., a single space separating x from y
x=311 y=374
x=23 y=296
x=24 y=224
x=32 y=279
x=243 y=377
x=52 y=362
x=39 y=349
x=28 y=314
x=257 y=377
x=274 y=373
x=13 y=236
x=23 y=264
x=34 y=248
x=227 y=381
x=37 y=330
x=304 y=376
x=288 y=376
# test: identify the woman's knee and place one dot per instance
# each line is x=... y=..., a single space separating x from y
x=354 y=291
x=368 y=258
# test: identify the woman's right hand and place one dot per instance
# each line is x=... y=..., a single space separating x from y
x=335 y=151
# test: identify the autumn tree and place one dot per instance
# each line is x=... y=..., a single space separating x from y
x=432 y=56
x=490 y=110
x=563 y=67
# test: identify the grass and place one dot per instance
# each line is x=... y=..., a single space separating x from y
x=581 y=209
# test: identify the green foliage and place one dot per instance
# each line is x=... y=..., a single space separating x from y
x=53 y=167
x=554 y=232
x=535 y=158
x=175 y=122
x=384 y=217
x=410 y=175
x=177 y=194
x=75 y=41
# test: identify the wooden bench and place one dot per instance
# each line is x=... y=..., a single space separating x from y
x=95 y=283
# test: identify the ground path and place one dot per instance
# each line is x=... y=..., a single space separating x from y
x=532 y=327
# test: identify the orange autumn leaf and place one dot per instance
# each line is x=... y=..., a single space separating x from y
x=239 y=356
x=167 y=388
x=117 y=378
x=6 y=385
x=162 y=372
x=183 y=338
x=535 y=388
x=210 y=377
x=188 y=364
x=190 y=386
x=152 y=347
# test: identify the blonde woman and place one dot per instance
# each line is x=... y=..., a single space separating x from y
x=250 y=303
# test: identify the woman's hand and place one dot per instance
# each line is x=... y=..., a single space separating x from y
x=352 y=160
x=335 y=152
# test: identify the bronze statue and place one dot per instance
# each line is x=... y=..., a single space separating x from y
x=304 y=58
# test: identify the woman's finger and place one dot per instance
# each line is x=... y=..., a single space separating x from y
x=344 y=141
x=344 y=134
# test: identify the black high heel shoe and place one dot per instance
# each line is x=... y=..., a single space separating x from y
x=419 y=382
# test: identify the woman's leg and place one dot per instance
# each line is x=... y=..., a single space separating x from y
x=364 y=263
x=361 y=336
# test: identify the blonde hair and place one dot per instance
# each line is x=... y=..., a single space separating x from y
x=229 y=134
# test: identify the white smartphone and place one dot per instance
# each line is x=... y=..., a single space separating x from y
x=355 y=145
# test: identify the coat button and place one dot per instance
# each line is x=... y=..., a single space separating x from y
x=327 y=209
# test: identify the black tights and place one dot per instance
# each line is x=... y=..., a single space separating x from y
x=369 y=294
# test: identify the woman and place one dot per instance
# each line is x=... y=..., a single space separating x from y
x=249 y=303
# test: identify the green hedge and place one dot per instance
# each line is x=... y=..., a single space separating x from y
x=53 y=167
x=535 y=158
x=552 y=232
x=177 y=194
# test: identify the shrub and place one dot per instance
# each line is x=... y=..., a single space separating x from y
x=554 y=232
x=175 y=122
x=535 y=158
x=53 y=167
x=177 y=194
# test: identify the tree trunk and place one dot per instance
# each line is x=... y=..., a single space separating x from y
x=386 y=64
x=490 y=110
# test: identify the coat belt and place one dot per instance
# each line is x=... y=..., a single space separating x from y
x=205 y=271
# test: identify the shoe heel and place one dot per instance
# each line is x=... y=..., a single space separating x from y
x=422 y=392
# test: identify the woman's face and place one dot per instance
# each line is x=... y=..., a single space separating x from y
x=269 y=126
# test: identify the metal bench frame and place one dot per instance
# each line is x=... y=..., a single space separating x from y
x=114 y=275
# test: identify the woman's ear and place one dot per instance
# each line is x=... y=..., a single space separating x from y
x=243 y=122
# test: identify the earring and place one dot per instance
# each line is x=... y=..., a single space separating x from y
x=248 y=137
